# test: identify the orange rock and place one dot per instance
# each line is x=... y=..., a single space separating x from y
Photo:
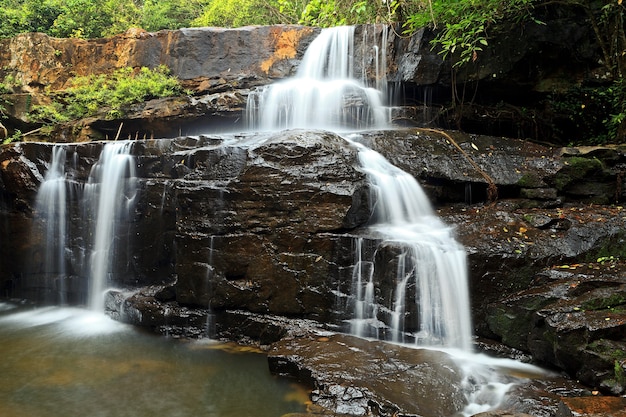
x=596 y=406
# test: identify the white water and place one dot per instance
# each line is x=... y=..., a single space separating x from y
x=111 y=188
x=431 y=279
x=51 y=213
x=430 y=258
x=323 y=94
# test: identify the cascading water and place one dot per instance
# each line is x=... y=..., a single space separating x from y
x=105 y=200
x=50 y=209
x=429 y=257
x=111 y=189
x=431 y=289
x=325 y=93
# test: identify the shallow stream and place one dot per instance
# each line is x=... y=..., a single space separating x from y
x=72 y=362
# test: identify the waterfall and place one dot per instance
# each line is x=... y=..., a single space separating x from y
x=50 y=209
x=429 y=258
x=324 y=92
x=110 y=191
x=431 y=275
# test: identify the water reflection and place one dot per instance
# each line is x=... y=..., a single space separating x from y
x=68 y=362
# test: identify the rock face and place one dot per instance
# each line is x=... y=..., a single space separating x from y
x=231 y=220
x=202 y=57
x=226 y=226
x=220 y=66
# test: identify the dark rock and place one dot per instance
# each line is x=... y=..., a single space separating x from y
x=576 y=323
x=266 y=224
x=539 y=193
x=462 y=171
x=398 y=387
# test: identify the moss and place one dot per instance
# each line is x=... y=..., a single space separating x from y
x=613 y=247
x=614 y=300
x=620 y=374
x=607 y=350
x=576 y=168
x=530 y=180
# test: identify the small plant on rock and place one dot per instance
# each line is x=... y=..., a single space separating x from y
x=111 y=93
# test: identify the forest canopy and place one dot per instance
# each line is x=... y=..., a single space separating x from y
x=99 y=18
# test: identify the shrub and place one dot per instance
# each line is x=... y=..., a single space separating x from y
x=89 y=95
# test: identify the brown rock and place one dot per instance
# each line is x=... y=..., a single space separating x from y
x=594 y=406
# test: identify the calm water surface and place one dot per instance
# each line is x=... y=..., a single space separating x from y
x=70 y=362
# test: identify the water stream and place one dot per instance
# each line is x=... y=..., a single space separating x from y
x=431 y=278
x=111 y=189
x=51 y=212
x=432 y=271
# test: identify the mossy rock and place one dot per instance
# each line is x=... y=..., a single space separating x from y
x=530 y=180
x=576 y=168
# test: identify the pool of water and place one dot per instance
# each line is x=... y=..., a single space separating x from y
x=70 y=362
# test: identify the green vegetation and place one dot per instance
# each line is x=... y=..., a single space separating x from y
x=464 y=30
x=91 y=94
x=15 y=137
x=249 y=12
x=576 y=169
x=620 y=374
x=94 y=18
x=466 y=26
x=613 y=302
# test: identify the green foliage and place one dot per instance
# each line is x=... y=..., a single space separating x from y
x=91 y=94
x=598 y=112
x=172 y=14
x=15 y=137
x=291 y=10
x=465 y=25
x=322 y=13
x=327 y=13
x=229 y=13
x=26 y=16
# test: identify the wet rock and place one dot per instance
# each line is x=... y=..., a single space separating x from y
x=461 y=171
x=506 y=253
x=350 y=389
x=576 y=322
x=141 y=308
x=266 y=224
x=595 y=406
x=267 y=230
